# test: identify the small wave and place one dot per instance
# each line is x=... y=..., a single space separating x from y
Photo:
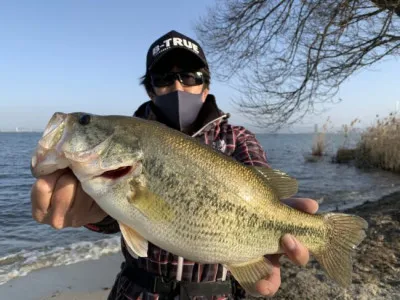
x=21 y=263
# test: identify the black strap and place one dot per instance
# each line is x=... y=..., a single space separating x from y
x=171 y=288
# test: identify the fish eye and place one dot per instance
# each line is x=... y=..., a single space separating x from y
x=84 y=119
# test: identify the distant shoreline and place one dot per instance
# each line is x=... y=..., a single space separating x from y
x=33 y=131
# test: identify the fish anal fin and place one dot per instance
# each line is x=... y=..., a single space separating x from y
x=134 y=241
x=284 y=185
x=248 y=273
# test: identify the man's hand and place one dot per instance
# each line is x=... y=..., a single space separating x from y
x=58 y=200
x=295 y=251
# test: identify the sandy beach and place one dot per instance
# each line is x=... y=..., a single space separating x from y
x=376 y=269
x=89 y=280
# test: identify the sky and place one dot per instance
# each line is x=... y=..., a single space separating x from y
x=86 y=55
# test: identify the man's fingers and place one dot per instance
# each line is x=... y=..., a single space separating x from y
x=62 y=200
x=84 y=210
x=81 y=204
x=304 y=204
x=96 y=214
x=269 y=286
x=59 y=200
x=294 y=250
x=41 y=193
x=79 y=209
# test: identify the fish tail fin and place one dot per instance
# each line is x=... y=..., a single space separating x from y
x=345 y=232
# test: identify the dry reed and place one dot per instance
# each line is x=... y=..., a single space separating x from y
x=380 y=145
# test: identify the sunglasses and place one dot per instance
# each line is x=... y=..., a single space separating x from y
x=185 y=78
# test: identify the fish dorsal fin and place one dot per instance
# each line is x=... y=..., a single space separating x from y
x=135 y=242
x=284 y=185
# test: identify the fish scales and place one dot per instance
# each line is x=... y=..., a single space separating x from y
x=208 y=207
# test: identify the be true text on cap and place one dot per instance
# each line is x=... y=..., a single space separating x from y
x=175 y=42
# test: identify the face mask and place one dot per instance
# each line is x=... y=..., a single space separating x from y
x=179 y=108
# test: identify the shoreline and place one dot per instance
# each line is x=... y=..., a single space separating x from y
x=85 y=280
x=376 y=268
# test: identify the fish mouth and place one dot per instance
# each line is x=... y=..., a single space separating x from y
x=116 y=173
x=120 y=172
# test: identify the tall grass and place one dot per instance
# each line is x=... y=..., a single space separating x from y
x=347 y=130
x=380 y=145
x=319 y=144
x=346 y=154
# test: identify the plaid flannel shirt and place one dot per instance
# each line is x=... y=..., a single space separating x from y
x=235 y=141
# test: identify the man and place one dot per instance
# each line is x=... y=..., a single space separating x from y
x=177 y=81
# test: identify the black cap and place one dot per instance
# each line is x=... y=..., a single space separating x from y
x=174 y=40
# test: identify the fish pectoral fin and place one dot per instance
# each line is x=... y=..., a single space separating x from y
x=135 y=242
x=248 y=273
x=284 y=185
x=151 y=205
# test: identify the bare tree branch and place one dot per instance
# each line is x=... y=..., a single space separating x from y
x=289 y=55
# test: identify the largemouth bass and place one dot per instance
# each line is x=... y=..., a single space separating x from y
x=167 y=188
